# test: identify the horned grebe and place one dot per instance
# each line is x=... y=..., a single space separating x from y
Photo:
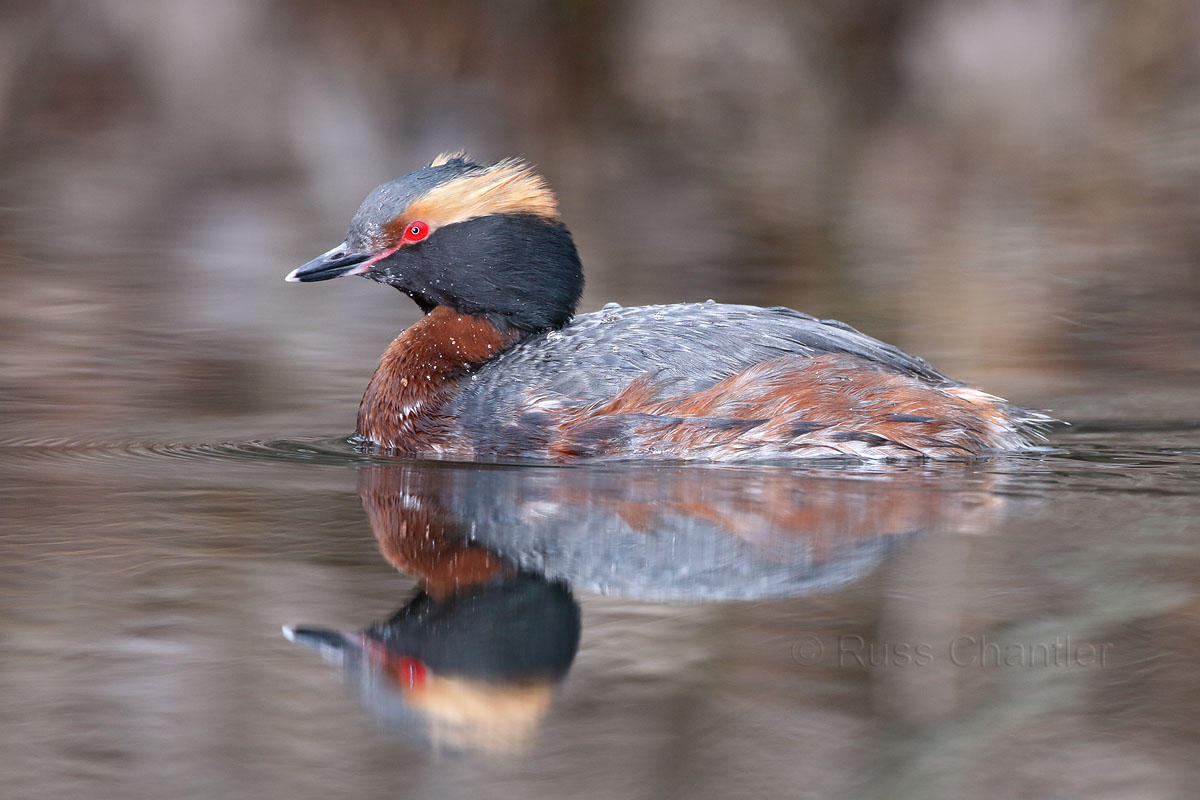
x=501 y=368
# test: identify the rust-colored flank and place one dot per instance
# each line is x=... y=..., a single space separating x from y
x=834 y=404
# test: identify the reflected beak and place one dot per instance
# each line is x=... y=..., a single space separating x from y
x=332 y=645
x=337 y=262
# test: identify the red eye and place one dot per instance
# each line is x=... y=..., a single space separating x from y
x=416 y=231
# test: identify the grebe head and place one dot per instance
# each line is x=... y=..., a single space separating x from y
x=482 y=240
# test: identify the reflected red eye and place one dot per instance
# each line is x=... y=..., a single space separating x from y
x=416 y=231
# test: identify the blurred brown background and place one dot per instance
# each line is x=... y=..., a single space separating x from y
x=1010 y=188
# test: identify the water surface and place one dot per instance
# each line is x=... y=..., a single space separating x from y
x=176 y=487
x=824 y=630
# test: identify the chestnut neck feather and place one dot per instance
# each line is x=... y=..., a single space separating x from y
x=418 y=536
x=419 y=372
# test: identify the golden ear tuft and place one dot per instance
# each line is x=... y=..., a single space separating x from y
x=506 y=187
x=446 y=158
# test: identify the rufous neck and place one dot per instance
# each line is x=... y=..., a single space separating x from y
x=420 y=369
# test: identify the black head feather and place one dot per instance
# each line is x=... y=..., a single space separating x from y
x=518 y=270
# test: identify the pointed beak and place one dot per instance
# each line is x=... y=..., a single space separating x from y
x=339 y=261
x=332 y=645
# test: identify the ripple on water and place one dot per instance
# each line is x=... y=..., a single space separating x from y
x=1122 y=457
x=325 y=451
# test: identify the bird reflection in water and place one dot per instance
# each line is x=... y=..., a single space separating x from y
x=472 y=660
